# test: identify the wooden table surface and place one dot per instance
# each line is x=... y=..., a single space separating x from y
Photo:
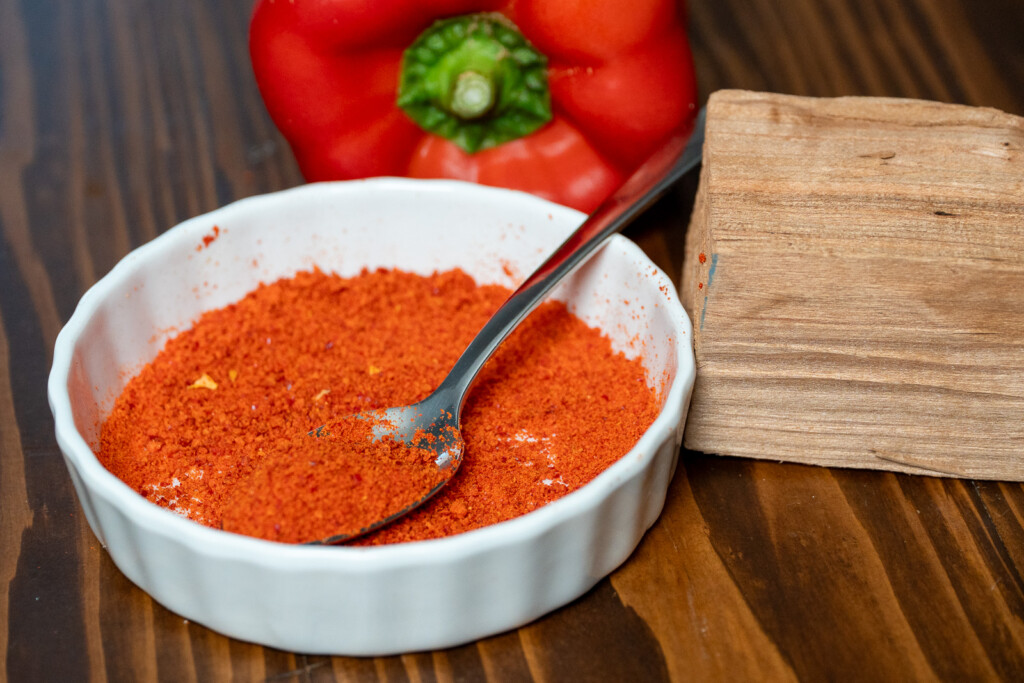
x=119 y=118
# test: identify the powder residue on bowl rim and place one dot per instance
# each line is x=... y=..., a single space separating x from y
x=550 y=411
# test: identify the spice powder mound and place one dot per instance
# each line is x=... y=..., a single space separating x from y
x=199 y=429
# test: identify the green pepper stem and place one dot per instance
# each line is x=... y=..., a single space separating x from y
x=473 y=95
x=475 y=80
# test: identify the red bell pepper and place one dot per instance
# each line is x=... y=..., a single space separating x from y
x=561 y=98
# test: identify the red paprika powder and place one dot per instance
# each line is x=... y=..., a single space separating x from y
x=195 y=429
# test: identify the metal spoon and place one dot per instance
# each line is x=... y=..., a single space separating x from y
x=439 y=413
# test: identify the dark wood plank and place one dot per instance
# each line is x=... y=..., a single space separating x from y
x=119 y=118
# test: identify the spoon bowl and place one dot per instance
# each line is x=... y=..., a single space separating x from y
x=429 y=425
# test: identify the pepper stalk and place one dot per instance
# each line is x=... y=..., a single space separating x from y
x=475 y=80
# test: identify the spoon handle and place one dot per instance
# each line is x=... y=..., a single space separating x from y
x=680 y=154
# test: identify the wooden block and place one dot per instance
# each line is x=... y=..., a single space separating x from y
x=855 y=274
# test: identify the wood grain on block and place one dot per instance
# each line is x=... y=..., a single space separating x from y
x=855 y=273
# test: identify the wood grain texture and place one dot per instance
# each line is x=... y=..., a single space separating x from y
x=120 y=118
x=856 y=283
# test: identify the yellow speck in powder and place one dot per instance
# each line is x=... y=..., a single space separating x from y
x=204 y=382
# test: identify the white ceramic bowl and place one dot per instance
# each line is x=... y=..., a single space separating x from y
x=378 y=600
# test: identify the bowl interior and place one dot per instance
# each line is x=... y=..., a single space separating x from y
x=210 y=261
